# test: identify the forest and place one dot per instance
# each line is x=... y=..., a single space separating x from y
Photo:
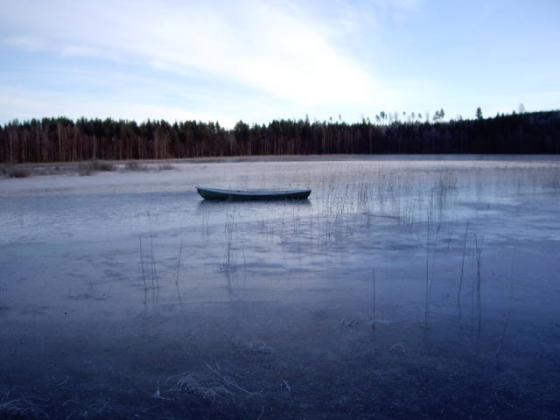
x=63 y=140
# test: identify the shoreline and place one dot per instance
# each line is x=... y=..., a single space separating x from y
x=90 y=168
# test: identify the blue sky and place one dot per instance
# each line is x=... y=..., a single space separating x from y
x=259 y=60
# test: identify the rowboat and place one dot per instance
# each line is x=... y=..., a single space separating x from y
x=220 y=194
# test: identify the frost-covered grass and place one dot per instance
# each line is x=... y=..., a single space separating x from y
x=12 y=407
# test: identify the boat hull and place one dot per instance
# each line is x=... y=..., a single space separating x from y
x=252 y=195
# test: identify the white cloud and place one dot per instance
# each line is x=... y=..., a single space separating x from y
x=249 y=59
x=272 y=47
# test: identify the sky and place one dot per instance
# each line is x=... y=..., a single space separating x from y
x=256 y=61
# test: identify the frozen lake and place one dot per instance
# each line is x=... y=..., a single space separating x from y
x=404 y=287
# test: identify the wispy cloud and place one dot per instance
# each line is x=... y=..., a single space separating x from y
x=272 y=47
x=27 y=104
x=80 y=51
x=26 y=43
x=260 y=60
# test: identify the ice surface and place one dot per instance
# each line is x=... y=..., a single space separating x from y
x=270 y=308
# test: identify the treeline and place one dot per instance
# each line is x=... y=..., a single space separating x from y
x=62 y=139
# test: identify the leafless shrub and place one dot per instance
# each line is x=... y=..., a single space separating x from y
x=90 y=167
x=166 y=167
x=554 y=181
x=229 y=228
x=135 y=166
x=102 y=166
x=500 y=346
x=373 y=299
x=463 y=263
x=428 y=278
x=17 y=172
x=448 y=181
x=477 y=282
x=178 y=268
x=85 y=169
